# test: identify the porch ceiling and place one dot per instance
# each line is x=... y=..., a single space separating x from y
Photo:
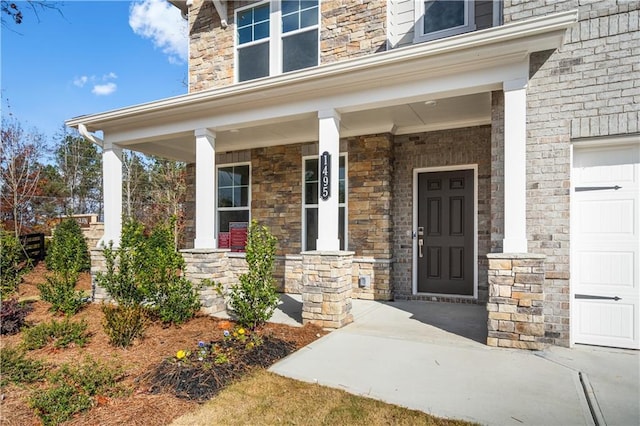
x=385 y=92
x=446 y=113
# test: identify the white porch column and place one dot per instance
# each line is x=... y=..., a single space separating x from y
x=205 y=189
x=112 y=193
x=515 y=166
x=328 y=210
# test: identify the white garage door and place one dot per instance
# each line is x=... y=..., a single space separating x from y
x=606 y=246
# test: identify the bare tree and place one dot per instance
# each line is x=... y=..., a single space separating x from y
x=136 y=187
x=79 y=166
x=13 y=10
x=19 y=172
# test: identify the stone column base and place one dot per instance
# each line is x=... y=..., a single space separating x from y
x=326 y=288
x=98 y=266
x=212 y=264
x=516 y=298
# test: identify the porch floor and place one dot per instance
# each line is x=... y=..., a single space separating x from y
x=414 y=320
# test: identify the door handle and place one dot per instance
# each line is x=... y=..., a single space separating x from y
x=592 y=297
x=420 y=244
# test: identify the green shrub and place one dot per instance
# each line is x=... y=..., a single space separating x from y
x=59 y=290
x=60 y=333
x=124 y=323
x=147 y=271
x=68 y=249
x=255 y=298
x=12 y=315
x=124 y=265
x=17 y=368
x=73 y=388
x=170 y=297
x=11 y=266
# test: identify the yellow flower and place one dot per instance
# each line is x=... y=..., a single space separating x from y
x=241 y=331
x=181 y=354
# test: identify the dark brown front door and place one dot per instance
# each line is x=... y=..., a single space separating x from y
x=445 y=232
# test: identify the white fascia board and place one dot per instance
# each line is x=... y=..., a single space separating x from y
x=470 y=51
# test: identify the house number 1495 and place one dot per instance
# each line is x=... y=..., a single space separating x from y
x=325 y=176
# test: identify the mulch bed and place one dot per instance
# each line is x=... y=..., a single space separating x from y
x=151 y=401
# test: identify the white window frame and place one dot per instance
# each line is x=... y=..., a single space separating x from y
x=217 y=189
x=345 y=204
x=275 y=37
x=420 y=36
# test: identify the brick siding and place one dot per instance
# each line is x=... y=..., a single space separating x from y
x=590 y=87
x=435 y=149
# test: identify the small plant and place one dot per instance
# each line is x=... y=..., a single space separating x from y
x=61 y=333
x=59 y=290
x=17 y=368
x=124 y=323
x=12 y=316
x=59 y=403
x=72 y=391
x=255 y=298
x=68 y=249
x=11 y=266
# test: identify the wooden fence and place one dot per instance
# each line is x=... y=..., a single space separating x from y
x=33 y=245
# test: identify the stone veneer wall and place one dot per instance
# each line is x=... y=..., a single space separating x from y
x=326 y=288
x=189 y=209
x=210 y=264
x=276 y=194
x=587 y=88
x=352 y=28
x=276 y=201
x=515 y=318
x=348 y=29
x=471 y=145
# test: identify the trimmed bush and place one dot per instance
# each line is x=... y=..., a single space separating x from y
x=145 y=272
x=12 y=316
x=255 y=298
x=68 y=249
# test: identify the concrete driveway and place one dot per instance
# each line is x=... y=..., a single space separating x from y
x=431 y=357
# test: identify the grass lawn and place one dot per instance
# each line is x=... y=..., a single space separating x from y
x=264 y=398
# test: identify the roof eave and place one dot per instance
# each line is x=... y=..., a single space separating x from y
x=533 y=35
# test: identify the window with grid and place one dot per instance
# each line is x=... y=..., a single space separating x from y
x=264 y=49
x=310 y=202
x=234 y=191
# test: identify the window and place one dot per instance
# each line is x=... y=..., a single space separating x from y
x=443 y=18
x=310 y=203
x=265 y=49
x=233 y=195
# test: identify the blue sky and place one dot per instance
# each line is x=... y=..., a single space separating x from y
x=94 y=57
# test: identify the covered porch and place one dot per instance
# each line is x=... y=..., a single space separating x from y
x=361 y=109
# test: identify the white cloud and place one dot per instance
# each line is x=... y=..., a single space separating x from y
x=102 y=86
x=104 y=89
x=81 y=81
x=162 y=23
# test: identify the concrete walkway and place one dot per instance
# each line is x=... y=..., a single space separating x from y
x=431 y=357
